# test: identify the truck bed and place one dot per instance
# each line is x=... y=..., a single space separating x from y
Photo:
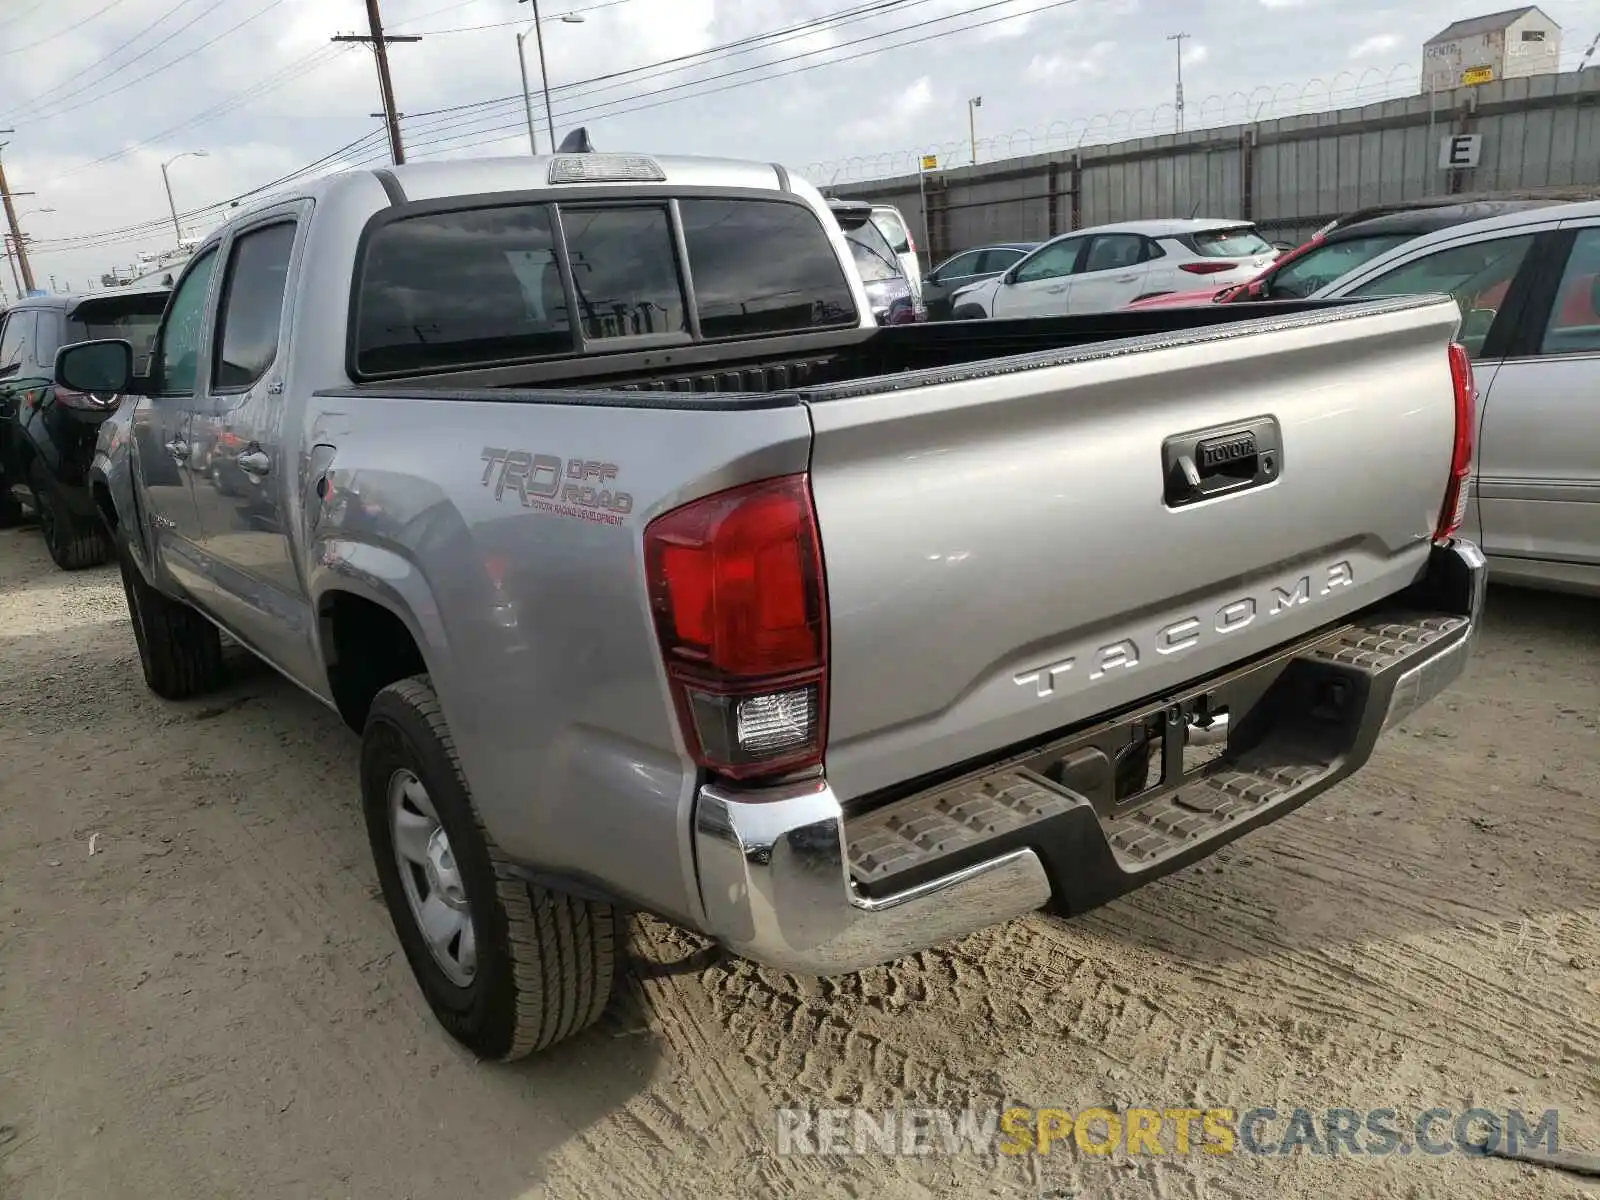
x=768 y=373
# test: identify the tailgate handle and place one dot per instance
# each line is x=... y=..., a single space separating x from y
x=1219 y=461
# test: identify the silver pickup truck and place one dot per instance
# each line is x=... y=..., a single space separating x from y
x=654 y=575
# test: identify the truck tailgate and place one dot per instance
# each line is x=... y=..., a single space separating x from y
x=1013 y=553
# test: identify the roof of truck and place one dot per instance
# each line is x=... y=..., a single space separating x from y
x=433 y=180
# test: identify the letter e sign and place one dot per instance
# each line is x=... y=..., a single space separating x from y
x=1460 y=151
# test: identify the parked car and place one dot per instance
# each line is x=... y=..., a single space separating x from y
x=1105 y=267
x=898 y=234
x=1341 y=246
x=968 y=267
x=1528 y=285
x=764 y=621
x=876 y=264
x=47 y=432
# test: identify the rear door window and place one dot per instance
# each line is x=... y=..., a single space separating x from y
x=624 y=271
x=460 y=289
x=763 y=267
x=1114 y=251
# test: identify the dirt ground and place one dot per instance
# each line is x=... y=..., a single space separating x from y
x=200 y=994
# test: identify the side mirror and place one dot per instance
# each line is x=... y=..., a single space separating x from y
x=96 y=368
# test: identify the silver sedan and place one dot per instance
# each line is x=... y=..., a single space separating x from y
x=1529 y=289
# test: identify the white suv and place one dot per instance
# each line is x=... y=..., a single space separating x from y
x=1106 y=267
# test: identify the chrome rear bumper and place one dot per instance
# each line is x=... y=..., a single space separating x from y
x=779 y=884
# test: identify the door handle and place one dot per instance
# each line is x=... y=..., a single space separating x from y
x=179 y=449
x=1057 y=290
x=254 y=462
x=1126 y=278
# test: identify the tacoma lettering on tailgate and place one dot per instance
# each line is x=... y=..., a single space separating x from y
x=565 y=487
x=1175 y=637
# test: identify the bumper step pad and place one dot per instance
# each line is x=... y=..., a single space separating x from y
x=949 y=827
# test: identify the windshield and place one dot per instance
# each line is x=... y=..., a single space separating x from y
x=133 y=319
x=1319 y=267
x=1242 y=241
x=875 y=259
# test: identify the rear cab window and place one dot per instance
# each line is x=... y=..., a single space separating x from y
x=463 y=289
x=1237 y=242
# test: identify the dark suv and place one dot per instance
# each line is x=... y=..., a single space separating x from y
x=47 y=433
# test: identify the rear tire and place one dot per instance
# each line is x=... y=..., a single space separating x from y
x=541 y=963
x=180 y=651
x=74 y=542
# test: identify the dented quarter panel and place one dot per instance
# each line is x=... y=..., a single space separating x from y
x=531 y=608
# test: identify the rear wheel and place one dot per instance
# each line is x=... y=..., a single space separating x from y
x=74 y=542
x=180 y=651
x=508 y=968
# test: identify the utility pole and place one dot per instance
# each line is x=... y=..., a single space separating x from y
x=379 y=41
x=527 y=102
x=1178 y=37
x=973 y=105
x=16 y=230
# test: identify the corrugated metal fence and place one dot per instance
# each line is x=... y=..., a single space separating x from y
x=1289 y=175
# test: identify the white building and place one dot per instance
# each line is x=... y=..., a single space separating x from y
x=1503 y=45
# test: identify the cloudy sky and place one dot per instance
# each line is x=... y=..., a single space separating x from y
x=100 y=92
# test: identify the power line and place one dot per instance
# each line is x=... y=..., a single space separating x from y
x=725 y=49
x=73 y=28
x=101 y=96
x=279 y=77
x=605 y=110
x=39 y=103
x=23 y=15
x=571 y=12
x=118 y=236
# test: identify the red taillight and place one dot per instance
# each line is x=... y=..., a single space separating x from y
x=1454 y=509
x=1208 y=268
x=737 y=592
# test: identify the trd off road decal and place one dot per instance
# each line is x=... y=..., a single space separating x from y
x=570 y=487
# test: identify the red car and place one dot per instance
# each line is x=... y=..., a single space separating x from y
x=1343 y=245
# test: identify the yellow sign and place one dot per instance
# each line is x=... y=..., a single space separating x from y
x=930 y=162
x=1473 y=76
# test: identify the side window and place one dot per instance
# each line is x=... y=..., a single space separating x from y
x=998 y=260
x=893 y=229
x=175 y=362
x=1478 y=275
x=1050 y=262
x=1317 y=268
x=1574 y=325
x=1114 y=251
x=959 y=267
x=47 y=340
x=762 y=266
x=14 y=342
x=624 y=271
x=251 y=309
